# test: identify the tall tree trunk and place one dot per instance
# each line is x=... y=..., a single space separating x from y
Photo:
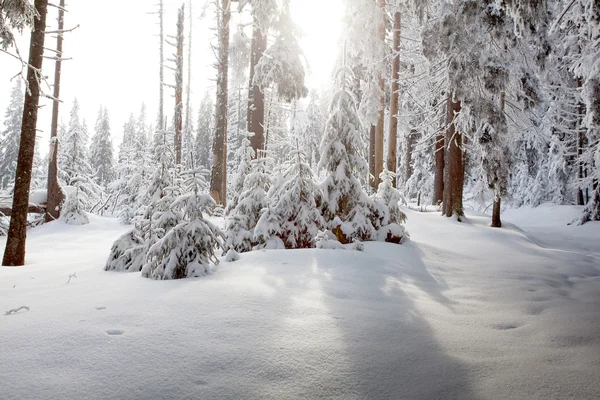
x=394 y=106
x=438 y=183
x=580 y=143
x=55 y=192
x=179 y=86
x=410 y=141
x=14 y=254
x=372 y=177
x=256 y=98
x=161 y=104
x=496 y=222
x=454 y=164
x=218 y=180
x=379 y=129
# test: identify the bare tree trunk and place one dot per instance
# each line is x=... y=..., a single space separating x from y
x=218 y=180
x=379 y=128
x=392 y=143
x=14 y=254
x=438 y=184
x=179 y=86
x=580 y=144
x=496 y=222
x=410 y=141
x=161 y=103
x=55 y=193
x=372 y=178
x=454 y=164
x=256 y=98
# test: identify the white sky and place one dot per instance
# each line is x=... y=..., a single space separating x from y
x=115 y=57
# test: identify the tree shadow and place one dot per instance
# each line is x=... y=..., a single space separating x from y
x=392 y=350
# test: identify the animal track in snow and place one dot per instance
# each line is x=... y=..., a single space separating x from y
x=100 y=308
x=115 y=332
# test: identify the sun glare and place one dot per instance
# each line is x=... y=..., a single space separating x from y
x=320 y=22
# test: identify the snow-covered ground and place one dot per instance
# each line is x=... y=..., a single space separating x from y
x=462 y=311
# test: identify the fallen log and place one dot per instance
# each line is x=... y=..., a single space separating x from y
x=33 y=209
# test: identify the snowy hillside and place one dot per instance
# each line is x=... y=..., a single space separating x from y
x=461 y=311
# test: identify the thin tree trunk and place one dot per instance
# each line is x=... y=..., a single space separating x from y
x=454 y=164
x=379 y=129
x=161 y=104
x=580 y=144
x=394 y=106
x=410 y=141
x=372 y=176
x=14 y=254
x=179 y=86
x=55 y=193
x=496 y=222
x=438 y=184
x=218 y=181
x=256 y=98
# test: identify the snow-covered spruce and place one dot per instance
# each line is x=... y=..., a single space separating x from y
x=342 y=157
x=391 y=198
x=188 y=249
x=73 y=210
x=245 y=154
x=293 y=219
x=127 y=253
x=243 y=219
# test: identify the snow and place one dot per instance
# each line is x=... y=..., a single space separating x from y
x=460 y=311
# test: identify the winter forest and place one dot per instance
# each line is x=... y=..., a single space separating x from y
x=353 y=199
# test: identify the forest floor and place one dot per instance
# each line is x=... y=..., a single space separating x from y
x=462 y=311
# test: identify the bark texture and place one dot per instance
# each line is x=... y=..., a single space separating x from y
x=218 y=179
x=394 y=106
x=454 y=172
x=179 y=86
x=14 y=254
x=256 y=98
x=56 y=195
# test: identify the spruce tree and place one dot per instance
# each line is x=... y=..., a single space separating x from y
x=10 y=136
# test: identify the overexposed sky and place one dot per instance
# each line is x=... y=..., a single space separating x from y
x=115 y=57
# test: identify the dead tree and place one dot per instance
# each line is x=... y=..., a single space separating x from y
x=56 y=195
x=14 y=254
x=218 y=180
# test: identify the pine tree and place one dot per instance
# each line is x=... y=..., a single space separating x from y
x=252 y=200
x=204 y=132
x=10 y=137
x=188 y=248
x=293 y=218
x=346 y=207
x=102 y=151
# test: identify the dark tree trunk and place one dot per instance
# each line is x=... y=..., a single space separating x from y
x=14 y=254
x=394 y=106
x=438 y=184
x=372 y=178
x=496 y=223
x=256 y=98
x=580 y=143
x=179 y=87
x=55 y=192
x=454 y=170
x=218 y=180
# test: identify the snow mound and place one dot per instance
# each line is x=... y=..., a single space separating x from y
x=232 y=256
